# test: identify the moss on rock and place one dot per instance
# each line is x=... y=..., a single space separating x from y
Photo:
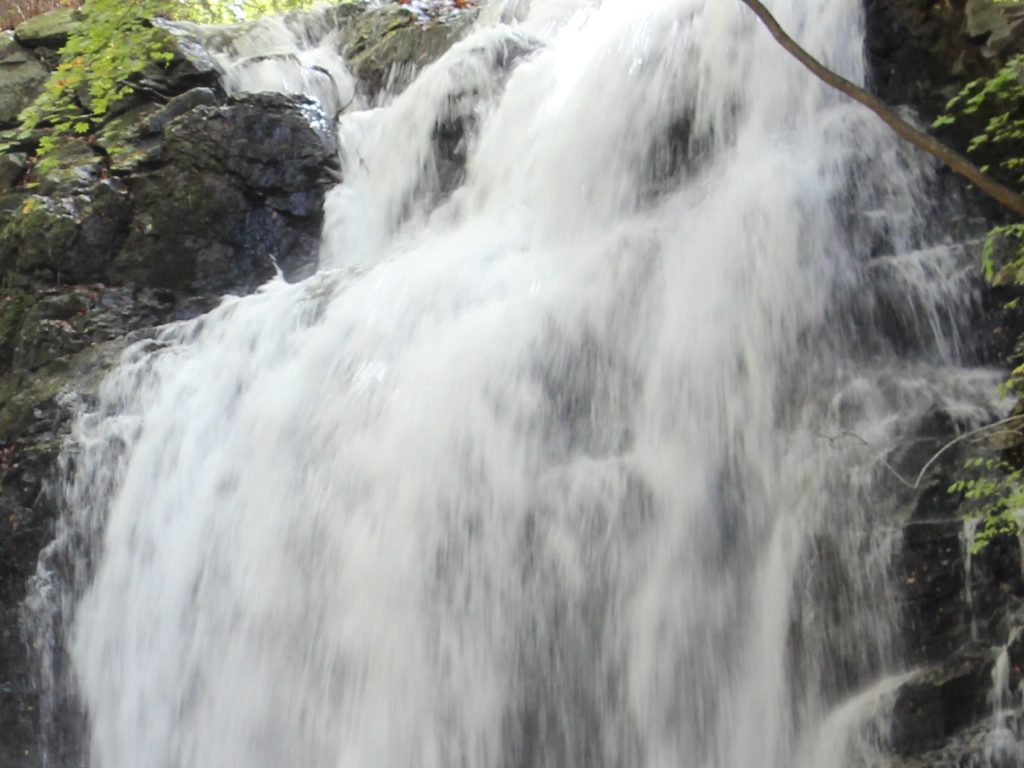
x=48 y=30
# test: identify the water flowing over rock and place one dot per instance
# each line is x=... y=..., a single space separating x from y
x=567 y=413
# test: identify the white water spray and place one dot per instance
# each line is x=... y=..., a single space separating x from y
x=545 y=468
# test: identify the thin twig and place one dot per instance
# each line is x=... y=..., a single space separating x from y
x=935 y=457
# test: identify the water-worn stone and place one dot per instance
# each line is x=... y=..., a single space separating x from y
x=240 y=188
x=271 y=142
x=938 y=702
x=387 y=45
x=67 y=239
x=179 y=105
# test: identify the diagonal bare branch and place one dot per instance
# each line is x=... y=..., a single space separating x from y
x=948 y=157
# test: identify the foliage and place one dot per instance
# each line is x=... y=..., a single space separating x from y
x=996 y=485
x=95 y=72
x=115 y=41
x=997 y=489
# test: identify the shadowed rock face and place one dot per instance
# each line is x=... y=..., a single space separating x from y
x=203 y=206
x=921 y=54
x=959 y=611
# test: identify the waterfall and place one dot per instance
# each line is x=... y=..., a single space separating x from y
x=571 y=455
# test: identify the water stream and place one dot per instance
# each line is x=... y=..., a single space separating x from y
x=569 y=455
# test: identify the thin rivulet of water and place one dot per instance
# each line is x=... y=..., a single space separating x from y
x=550 y=465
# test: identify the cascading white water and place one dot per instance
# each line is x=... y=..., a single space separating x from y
x=548 y=466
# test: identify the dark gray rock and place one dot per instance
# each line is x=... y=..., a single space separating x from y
x=937 y=703
x=179 y=105
x=931 y=572
x=1000 y=24
x=66 y=239
x=127 y=141
x=51 y=342
x=240 y=187
x=12 y=167
x=270 y=142
x=388 y=44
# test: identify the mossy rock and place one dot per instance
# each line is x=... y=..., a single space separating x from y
x=48 y=30
x=14 y=140
x=21 y=78
x=51 y=328
x=11 y=52
x=71 y=165
x=386 y=45
x=21 y=395
x=12 y=167
x=14 y=305
x=37 y=240
x=127 y=140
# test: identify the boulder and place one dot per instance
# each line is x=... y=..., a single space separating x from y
x=998 y=23
x=69 y=238
x=239 y=190
x=21 y=79
x=388 y=44
x=270 y=142
x=128 y=142
x=12 y=167
x=48 y=30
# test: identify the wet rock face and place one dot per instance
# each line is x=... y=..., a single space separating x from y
x=239 y=189
x=921 y=54
x=52 y=341
x=959 y=610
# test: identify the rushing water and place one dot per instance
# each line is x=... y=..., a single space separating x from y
x=570 y=454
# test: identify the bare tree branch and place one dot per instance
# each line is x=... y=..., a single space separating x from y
x=948 y=157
